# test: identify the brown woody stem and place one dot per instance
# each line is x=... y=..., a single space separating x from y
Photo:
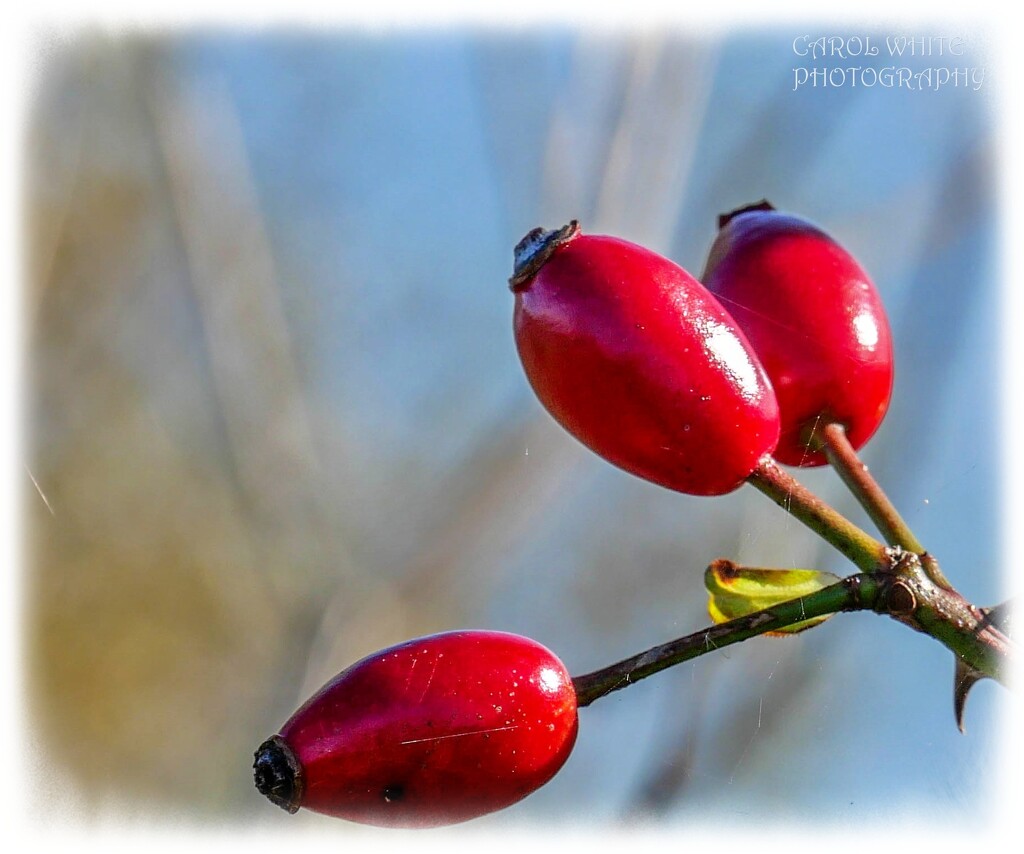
x=919 y=597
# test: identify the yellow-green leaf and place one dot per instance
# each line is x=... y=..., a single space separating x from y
x=735 y=591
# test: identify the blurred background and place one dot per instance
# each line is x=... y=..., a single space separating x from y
x=276 y=420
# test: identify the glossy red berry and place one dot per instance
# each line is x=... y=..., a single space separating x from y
x=815 y=319
x=433 y=731
x=637 y=360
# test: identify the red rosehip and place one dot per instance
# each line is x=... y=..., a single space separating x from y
x=815 y=320
x=433 y=731
x=637 y=360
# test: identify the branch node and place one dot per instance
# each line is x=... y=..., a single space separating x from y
x=900 y=600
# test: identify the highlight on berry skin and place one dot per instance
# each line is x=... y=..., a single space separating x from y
x=637 y=360
x=434 y=731
x=815 y=319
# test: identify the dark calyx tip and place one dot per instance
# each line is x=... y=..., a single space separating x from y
x=534 y=250
x=278 y=774
x=726 y=218
x=724 y=568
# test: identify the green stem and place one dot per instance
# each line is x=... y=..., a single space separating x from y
x=867 y=553
x=843 y=458
x=902 y=590
x=856 y=593
x=914 y=597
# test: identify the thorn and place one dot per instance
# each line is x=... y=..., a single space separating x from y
x=964 y=678
x=1000 y=616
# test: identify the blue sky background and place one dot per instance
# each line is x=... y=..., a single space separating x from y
x=276 y=409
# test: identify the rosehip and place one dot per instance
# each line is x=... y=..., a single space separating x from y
x=637 y=360
x=815 y=320
x=433 y=731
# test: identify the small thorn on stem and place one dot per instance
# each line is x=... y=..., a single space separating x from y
x=964 y=678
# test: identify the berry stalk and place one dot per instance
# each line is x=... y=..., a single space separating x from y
x=867 y=553
x=843 y=458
